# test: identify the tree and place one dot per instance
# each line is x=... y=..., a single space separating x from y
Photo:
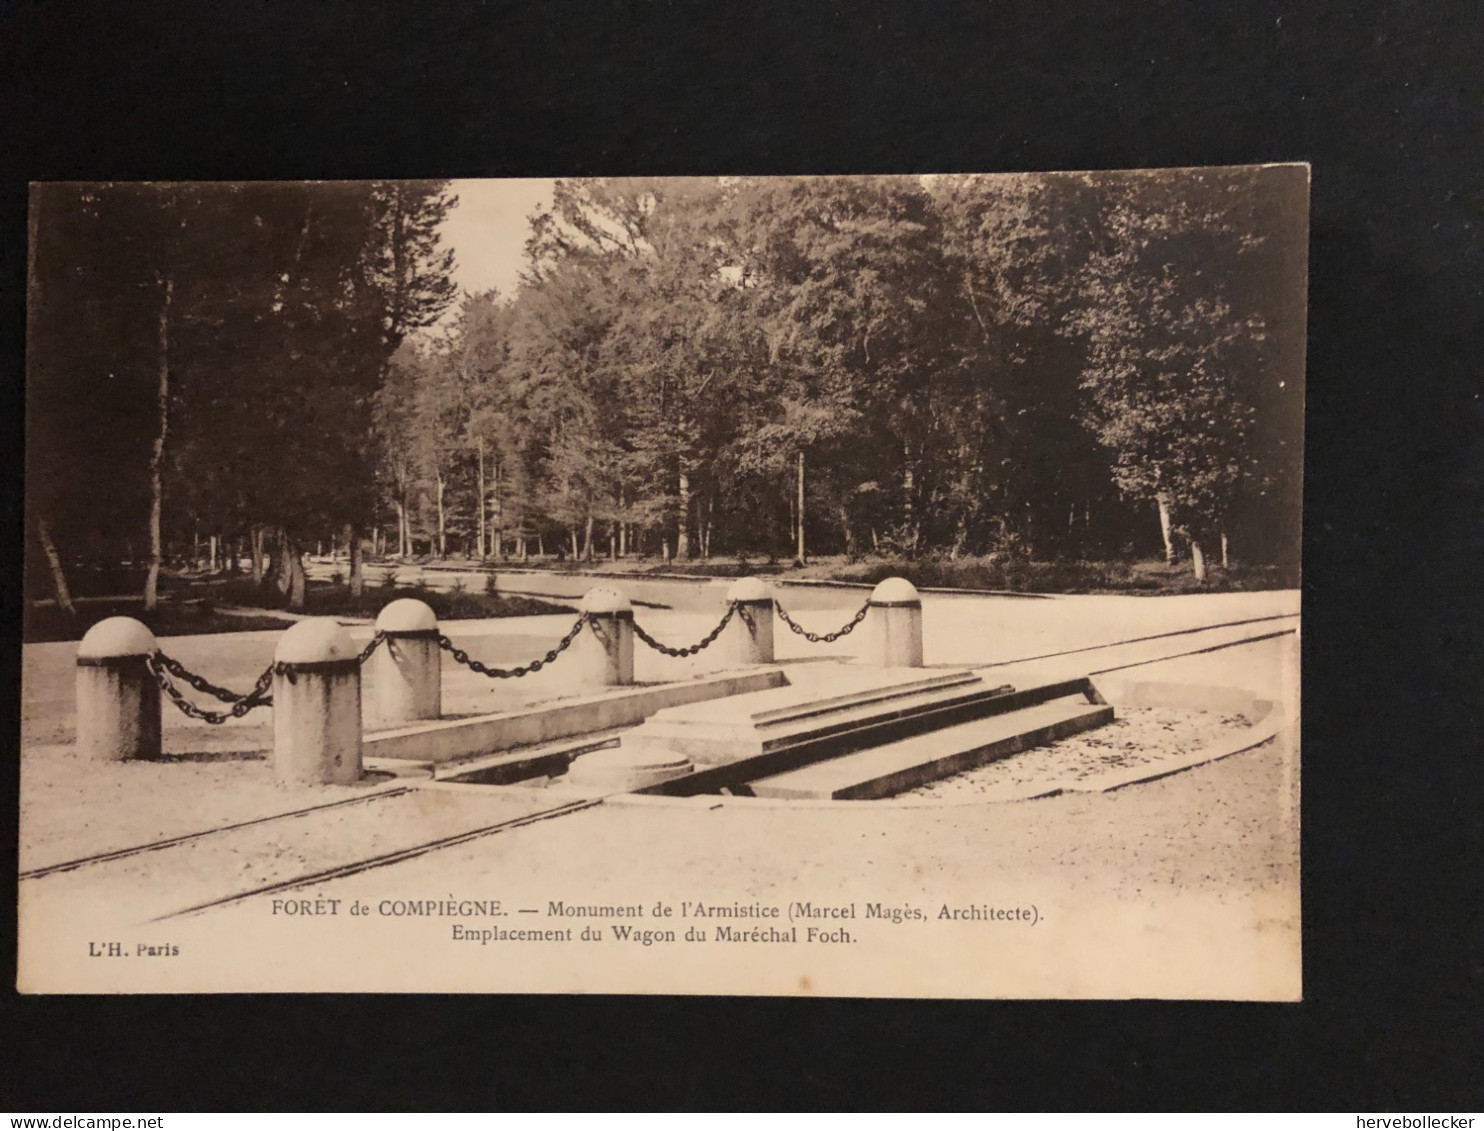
x=249 y=325
x=1171 y=360
x=848 y=277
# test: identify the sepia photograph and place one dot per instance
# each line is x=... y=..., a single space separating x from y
x=870 y=586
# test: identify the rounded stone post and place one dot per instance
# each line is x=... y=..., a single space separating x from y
x=895 y=637
x=118 y=700
x=407 y=669
x=751 y=643
x=317 y=705
x=605 y=648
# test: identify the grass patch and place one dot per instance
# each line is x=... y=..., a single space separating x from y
x=334 y=599
x=1021 y=576
x=47 y=623
x=990 y=572
x=191 y=607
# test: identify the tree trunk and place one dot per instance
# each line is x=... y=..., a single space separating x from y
x=442 y=532
x=1198 y=561
x=682 y=533
x=613 y=541
x=499 y=547
x=353 y=548
x=284 y=570
x=54 y=563
x=843 y=514
x=799 y=521
x=1225 y=563
x=257 y=554
x=1164 y=526
x=480 y=506
x=576 y=549
x=295 y=562
x=710 y=522
x=909 y=488
x=587 y=539
x=623 y=539
x=157 y=452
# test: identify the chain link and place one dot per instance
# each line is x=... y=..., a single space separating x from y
x=161 y=667
x=180 y=671
x=705 y=642
x=376 y=638
x=829 y=637
x=462 y=657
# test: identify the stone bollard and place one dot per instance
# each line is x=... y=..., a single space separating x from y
x=605 y=648
x=751 y=643
x=118 y=700
x=317 y=705
x=407 y=669
x=895 y=623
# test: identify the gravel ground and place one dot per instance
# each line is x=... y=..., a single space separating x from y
x=137 y=888
x=71 y=807
x=1138 y=736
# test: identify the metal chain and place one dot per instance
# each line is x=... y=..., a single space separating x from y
x=260 y=696
x=180 y=671
x=462 y=657
x=225 y=695
x=703 y=643
x=829 y=637
x=376 y=639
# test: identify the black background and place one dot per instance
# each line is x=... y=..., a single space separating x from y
x=1383 y=98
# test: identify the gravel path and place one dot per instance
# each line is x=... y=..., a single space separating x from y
x=1138 y=736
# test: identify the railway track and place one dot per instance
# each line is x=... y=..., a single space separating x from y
x=385 y=859
x=186 y=838
x=1145 y=639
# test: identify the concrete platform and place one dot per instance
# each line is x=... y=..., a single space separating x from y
x=627 y=768
x=828 y=701
x=444 y=740
x=883 y=728
x=883 y=771
x=544 y=760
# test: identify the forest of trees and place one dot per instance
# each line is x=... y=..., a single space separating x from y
x=1089 y=366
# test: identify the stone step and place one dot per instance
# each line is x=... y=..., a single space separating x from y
x=745 y=726
x=879 y=731
x=543 y=760
x=448 y=740
x=883 y=771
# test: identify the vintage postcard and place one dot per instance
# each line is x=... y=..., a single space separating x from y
x=873 y=586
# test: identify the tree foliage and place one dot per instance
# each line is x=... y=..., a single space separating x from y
x=265 y=315
x=1025 y=364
